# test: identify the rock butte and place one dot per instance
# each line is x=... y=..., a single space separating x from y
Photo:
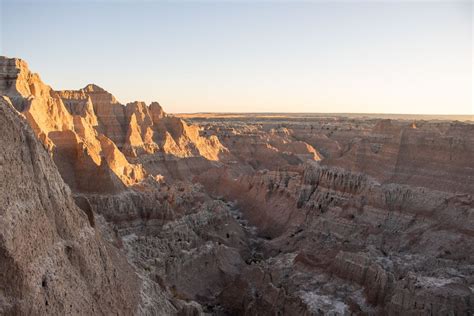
x=109 y=208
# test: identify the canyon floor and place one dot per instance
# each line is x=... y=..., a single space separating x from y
x=110 y=208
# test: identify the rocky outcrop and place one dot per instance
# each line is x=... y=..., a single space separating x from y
x=181 y=242
x=44 y=111
x=156 y=112
x=67 y=124
x=437 y=156
x=241 y=214
x=79 y=104
x=139 y=137
x=53 y=261
x=262 y=149
x=138 y=129
x=366 y=234
x=110 y=113
x=182 y=140
x=90 y=134
x=272 y=215
x=432 y=154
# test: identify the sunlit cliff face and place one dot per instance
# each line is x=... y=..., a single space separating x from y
x=290 y=214
x=89 y=132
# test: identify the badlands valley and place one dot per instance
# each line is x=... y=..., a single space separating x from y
x=122 y=209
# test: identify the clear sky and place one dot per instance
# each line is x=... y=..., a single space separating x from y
x=244 y=56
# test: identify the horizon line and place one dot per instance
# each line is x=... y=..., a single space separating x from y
x=323 y=113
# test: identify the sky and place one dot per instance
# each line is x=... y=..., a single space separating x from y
x=248 y=56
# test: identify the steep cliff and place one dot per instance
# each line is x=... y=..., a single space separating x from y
x=69 y=130
x=272 y=214
x=54 y=260
x=433 y=155
x=91 y=135
x=138 y=129
x=403 y=249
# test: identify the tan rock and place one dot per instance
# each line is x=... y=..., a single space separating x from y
x=53 y=261
x=66 y=123
x=139 y=137
x=156 y=112
x=110 y=113
x=130 y=174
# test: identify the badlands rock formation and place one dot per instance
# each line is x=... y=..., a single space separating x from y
x=91 y=135
x=54 y=259
x=228 y=214
x=382 y=248
x=436 y=154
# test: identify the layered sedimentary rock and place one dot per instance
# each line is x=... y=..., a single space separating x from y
x=110 y=113
x=347 y=229
x=137 y=128
x=53 y=261
x=54 y=255
x=140 y=133
x=69 y=130
x=186 y=246
x=44 y=111
x=183 y=140
x=234 y=214
x=262 y=149
x=431 y=155
x=91 y=134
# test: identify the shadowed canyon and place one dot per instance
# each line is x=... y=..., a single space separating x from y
x=122 y=209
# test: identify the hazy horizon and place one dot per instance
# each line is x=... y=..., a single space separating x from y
x=260 y=57
x=467 y=118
